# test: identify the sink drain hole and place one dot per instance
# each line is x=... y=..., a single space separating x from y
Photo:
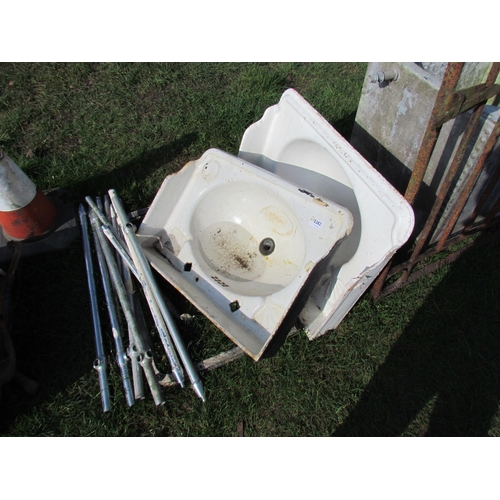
x=267 y=246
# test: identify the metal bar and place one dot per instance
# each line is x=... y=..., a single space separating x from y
x=464 y=195
x=147 y=279
x=144 y=356
x=479 y=93
x=450 y=80
x=100 y=361
x=448 y=105
x=438 y=264
x=443 y=190
x=428 y=253
x=378 y=284
x=137 y=373
x=106 y=223
x=423 y=272
x=121 y=356
x=466 y=192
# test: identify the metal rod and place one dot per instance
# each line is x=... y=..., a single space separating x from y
x=450 y=80
x=156 y=313
x=471 y=181
x=137 y=373
x=423 y=272
x=144 y=356
x=430 y=268
x=105 y=222
x=147 y=279
x=467 y=190
x=119 y=248
x=121 y=356
x=100 y=361
x=379 y=282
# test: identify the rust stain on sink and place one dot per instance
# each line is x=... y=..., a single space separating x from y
x=282 y=223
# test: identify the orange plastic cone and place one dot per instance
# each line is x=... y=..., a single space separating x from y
x=25 y=212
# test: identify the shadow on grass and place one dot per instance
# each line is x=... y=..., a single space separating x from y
x=137 y=169
x=52 y=331
x=443 y=374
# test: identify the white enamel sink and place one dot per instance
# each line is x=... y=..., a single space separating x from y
x=295 y=142
x=242 y=244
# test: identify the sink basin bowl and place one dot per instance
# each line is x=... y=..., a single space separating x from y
x=249 y=236
x=242 y=244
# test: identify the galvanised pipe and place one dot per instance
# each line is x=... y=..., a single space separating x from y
x=155 y=311
x=112 y=235
x=144 y=356
x=105 y=222
x=147 y=279
x=121 y=356
x=134 y=299
x=100 y=361
x=137 y=376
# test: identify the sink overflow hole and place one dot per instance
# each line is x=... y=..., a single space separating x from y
x=235 y=305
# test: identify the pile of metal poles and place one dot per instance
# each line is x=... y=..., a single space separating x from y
x=120 y=256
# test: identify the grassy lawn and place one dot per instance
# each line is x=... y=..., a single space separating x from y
x=422 y=361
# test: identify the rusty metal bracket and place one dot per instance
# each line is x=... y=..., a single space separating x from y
x=452 y=104
x=449 y=105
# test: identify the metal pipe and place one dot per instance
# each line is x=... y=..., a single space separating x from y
x=113 y=235
x=121 y=356
x=119 y=248
x=100 y=361
x=144 y=356
x=154 y=308
x=137 y=373
x=137 y=376
x=147 y=279
x=105 y=222
x=137 y=308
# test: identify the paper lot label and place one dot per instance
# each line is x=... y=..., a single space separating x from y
x=315 y=222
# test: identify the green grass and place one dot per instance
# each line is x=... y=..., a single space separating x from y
x=424 y=360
